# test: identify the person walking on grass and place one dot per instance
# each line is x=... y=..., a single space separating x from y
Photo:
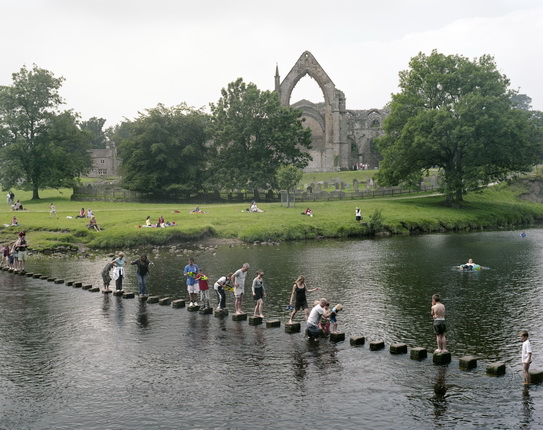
x=52 y=210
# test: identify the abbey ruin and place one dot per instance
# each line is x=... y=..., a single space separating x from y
x=341 y=138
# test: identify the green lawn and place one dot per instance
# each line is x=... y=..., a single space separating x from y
x=497 y=206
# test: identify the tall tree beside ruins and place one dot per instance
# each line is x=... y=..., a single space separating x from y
x=458 y=115
x=164 y=150
x=40 y=146
x=253 y=135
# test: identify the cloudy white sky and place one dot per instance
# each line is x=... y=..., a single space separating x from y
x=120 y=57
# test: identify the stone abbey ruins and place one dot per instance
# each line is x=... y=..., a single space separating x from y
x=341 y=138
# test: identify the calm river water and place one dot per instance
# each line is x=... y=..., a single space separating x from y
x=72 y=359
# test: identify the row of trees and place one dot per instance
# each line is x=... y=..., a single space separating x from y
x=451 y=112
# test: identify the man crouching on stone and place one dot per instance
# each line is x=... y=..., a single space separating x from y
x=315 y=316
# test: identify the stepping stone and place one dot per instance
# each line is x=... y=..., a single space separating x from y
x=94 y=289
x=221 y=313
x=293 y=328
x=69 y=283
x=496 y=369
x=273 y=323
x=536 y=376
x=376 y=345
x=467 y=362
x=118 y=293
x=442 y=358
x=255 y=320
x=86 y=287
x=77 y=284
x=239 y=317
x=206 y=311
x=357 y=340
x=337 y=337
x=59 y=281
x=129 y=295
x=419 y=353
x=398 y=348
x=166 y=301
x=194 y=308
x=153 y=299
x=179 y=303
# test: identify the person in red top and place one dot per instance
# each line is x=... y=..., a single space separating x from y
x=204 y=287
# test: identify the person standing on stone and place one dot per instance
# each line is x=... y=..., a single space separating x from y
x=299 y=291
x=142 y=271
x=315 y=316
x=203 y=285
x=21 y=245
x=238 y=281
x=221 y=294
x=190 y=271
x=258 y=293
x=358 y=215
x=526 y=355
x=118 y=271
x=106 y=276
x=438 y=314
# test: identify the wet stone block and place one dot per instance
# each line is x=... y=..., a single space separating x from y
x=29 y=275
x=419 y=353
x=51 y=279
x=36 y=275
x=44 y=277
x=273 y=323
x=129 y=295
x=206 y=311
x=239 y=317
x=337 y=337
x=536 y=376
x=442 y=358
x=398 y=348
x=357 y=340
x=293 y=328
x=59 y=281
x=107 y=291
x=94 y=289
x=376 y=345
x=255 y=320
x=118 y=293
x=77 y=284
x=153 y=299
x=166 y=301
x=221 y=313
x=86 y=287
x=69 y=283
x=179 y=303
x=467 y=362
x=193 y=308
x=496 y=369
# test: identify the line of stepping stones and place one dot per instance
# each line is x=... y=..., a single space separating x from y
x=418 y=353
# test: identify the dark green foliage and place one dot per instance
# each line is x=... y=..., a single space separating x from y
x=253 y=135
x=39 y=146
x=457 y=115
x=164 y=150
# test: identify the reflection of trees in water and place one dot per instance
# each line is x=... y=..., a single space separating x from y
x=440 y=393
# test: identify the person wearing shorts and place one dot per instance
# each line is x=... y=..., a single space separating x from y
x=238 y=280
x=21 y=247
x=299 y=291
x=438 y=314
x=190 y=271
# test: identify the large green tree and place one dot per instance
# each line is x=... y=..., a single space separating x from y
x=164 y=150
x=253 y=135
x=458 y=115
x=40 y=146
x=94 y=127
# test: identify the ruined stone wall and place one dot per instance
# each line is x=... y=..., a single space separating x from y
x=362 y=127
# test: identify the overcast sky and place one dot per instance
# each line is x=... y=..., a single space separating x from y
x=120 y=57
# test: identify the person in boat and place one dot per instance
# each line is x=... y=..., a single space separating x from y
x=469 y=265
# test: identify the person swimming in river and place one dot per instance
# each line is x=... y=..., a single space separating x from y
x=469 y=265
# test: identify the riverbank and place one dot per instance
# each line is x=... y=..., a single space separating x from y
x=501 y=206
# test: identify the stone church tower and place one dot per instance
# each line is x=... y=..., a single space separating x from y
x=341 y=138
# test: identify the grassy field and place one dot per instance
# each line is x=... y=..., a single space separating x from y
x=495 y=207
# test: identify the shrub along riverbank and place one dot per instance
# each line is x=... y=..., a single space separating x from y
x=496 y=207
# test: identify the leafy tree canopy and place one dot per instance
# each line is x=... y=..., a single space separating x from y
x=457 y=115
x=253 y=135
x=40 y=146
x=164 y=150
x=94 y=127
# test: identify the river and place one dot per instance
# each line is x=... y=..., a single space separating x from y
x=72 y=359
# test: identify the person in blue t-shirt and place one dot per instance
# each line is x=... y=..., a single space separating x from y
x=190 y=271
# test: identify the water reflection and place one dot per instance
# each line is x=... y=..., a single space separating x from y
x=65 y=350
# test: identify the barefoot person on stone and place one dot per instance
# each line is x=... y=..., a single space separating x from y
x=319 y=311
x=238 y=281
x=258 y=293
x=299 y=291
x=438 y=314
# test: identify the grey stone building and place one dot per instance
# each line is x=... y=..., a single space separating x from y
x=104 y=162
x=341 y=138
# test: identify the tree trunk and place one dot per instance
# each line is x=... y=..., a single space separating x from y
x=35 y=193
